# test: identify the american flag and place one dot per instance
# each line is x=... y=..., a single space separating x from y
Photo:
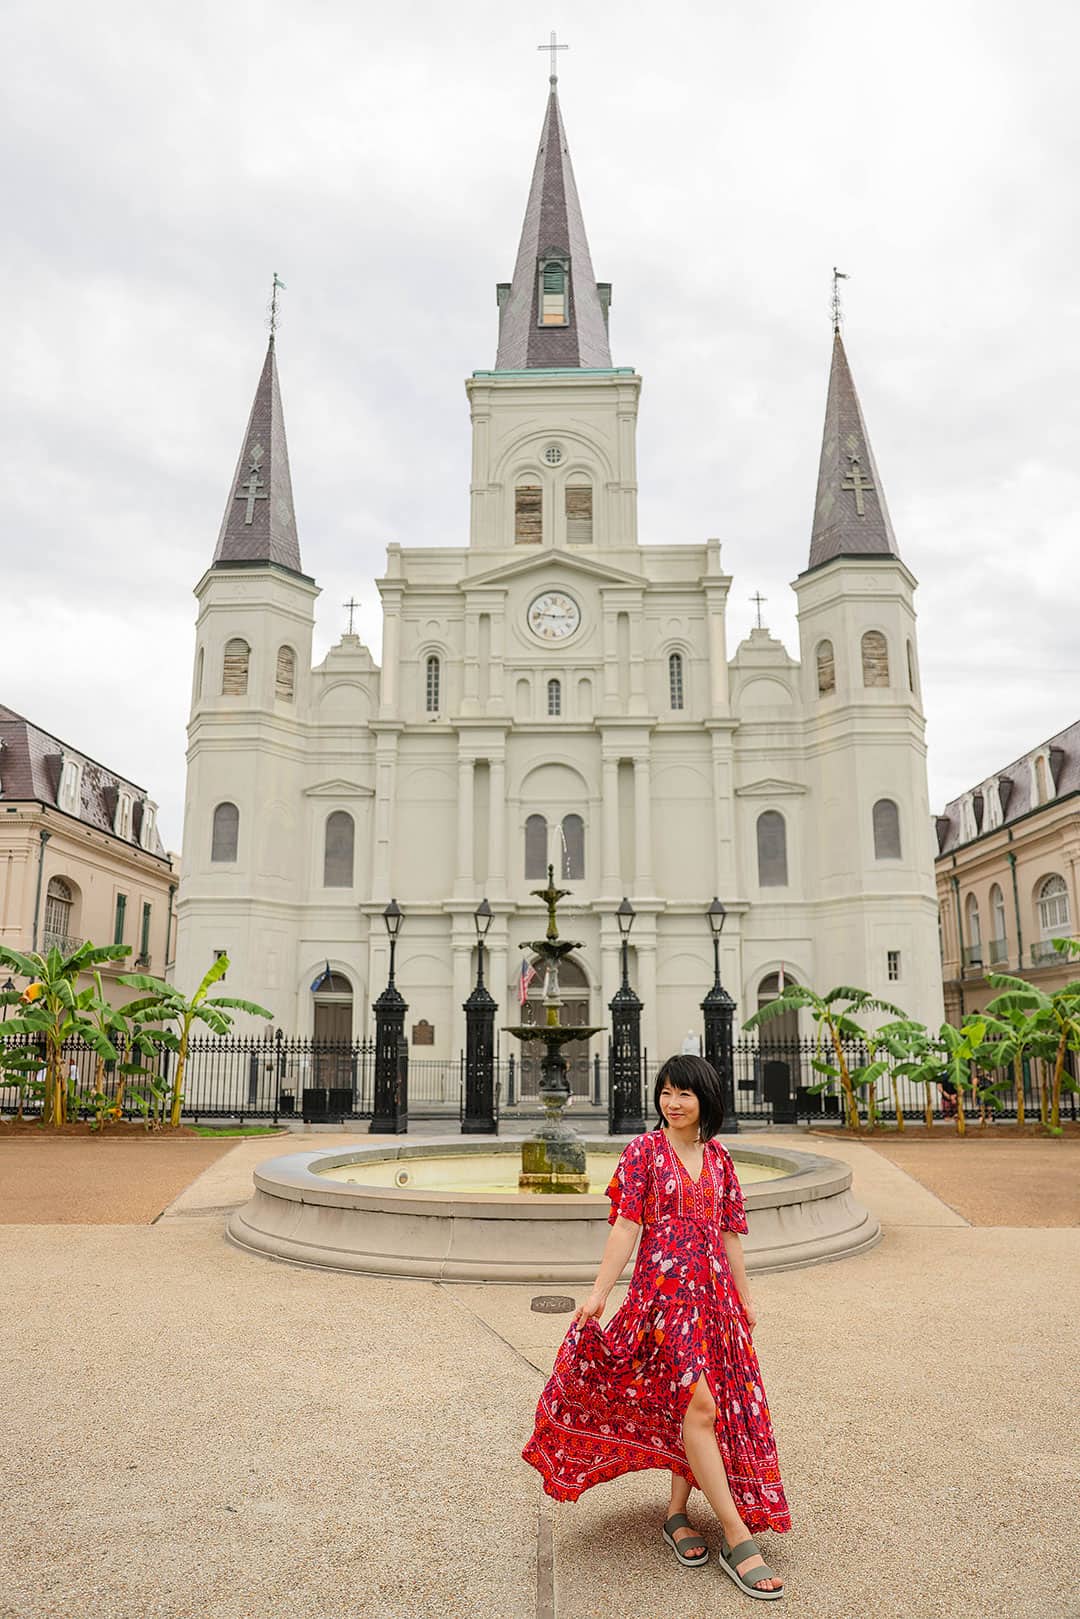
x=528 y=973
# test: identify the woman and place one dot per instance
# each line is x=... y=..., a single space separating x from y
x=673 y=1380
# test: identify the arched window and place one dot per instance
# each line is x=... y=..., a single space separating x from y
x=536 y=846
x=772 y=850
x=226 y=832
x=875 y=659
x=782 y=1029
x=886 y=830
x=579 y=513
x=59 y=901
x=1053 y=907
x=234 y=680
x=431 y=685
x=338 y=850
x=910 y=667
x=999 y=948
x=826 y=669
x=285 y=677
x=573 y=847
x=675 y=679
x=553 y=293
x=973 y=952
x=332 y=1026
x=199 y=664
x=554 y=694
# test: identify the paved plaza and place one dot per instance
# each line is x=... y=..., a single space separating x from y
x=191 y=1432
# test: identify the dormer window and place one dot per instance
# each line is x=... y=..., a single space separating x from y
x=125 y=805
x=554 y=279
x=70 y=787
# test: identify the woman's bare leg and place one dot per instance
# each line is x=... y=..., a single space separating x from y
x=707 y=1464
x=680 y=1495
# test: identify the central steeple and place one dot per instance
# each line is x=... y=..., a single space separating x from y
x=553 y=315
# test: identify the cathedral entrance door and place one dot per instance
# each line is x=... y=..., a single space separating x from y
x=332 y=1056
x=573 y=1014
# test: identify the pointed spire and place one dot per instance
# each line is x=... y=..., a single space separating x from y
x=850 y=517
x=259 y=524
x=553 y=234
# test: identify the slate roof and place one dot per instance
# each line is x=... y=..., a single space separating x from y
x=1016 y=788
x=848 y=478
x=30 y=768
x=553 y=224
x=259 y=523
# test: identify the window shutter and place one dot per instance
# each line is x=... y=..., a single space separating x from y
x=235 y=680
x=535 y=846
x=338 y=856
x=772 y=850
x=579 y=514
x=826 y=669
x=285 y=681
x=573 y=847
x=528 y=514
x=875 y=659
x=886 y=830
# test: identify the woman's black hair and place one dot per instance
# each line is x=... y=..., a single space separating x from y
x=689 y=1073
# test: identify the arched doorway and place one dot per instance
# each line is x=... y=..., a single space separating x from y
x=332 y=1057
x=778 y=1062
x=784 y=1028
x=573 y=1014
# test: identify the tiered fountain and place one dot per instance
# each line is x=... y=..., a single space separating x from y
x=553 y=1157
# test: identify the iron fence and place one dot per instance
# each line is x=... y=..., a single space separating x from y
x=269 y=1078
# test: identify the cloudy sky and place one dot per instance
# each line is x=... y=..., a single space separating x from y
x=164 y=160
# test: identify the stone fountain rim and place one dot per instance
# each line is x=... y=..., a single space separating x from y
x=809 y=1176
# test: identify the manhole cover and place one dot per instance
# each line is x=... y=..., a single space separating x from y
x=552 y=1304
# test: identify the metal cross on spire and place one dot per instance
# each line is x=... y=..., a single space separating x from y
x=757 y=599
x=837 y=277
x=352 y=606
x=277 y=286
x=553 y=46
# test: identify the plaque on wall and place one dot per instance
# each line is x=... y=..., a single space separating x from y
x=423 y=1033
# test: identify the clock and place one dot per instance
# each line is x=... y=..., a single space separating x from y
x=554 y=616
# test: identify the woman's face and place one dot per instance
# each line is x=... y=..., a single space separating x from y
x=680 y=1108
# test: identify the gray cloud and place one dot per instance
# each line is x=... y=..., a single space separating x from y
x=164 y=161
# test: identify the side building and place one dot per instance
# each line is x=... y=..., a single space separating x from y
x=1007 y=878
x=80 y=854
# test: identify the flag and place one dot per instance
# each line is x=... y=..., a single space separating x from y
x=323 y=978
x=528 y=973
x=780 y=980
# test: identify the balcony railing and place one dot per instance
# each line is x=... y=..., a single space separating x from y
x=1043 y=954
x=64 y=942
x=999 y=952
x=973 y=957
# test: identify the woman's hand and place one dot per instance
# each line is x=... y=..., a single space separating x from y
x=749 y=1312
x=593 y=1305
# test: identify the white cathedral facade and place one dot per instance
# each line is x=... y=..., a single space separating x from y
x=556 y=691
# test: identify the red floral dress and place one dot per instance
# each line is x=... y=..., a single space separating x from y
x=617 y=1395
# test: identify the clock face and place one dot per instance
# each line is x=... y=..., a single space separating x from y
x=554 y=615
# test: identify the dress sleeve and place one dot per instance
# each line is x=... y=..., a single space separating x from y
x=628 y=1186
x=732 y=1212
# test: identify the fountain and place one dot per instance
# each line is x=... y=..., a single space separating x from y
x=553 y=1157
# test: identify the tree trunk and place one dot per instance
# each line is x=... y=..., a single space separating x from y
x=1055 y=1095
x=1018 y=1074
x=896 y=1102
x=181 y=1063
x=961 y=1122
x=845 y=1081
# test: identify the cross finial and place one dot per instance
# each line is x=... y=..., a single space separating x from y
x=553 y=46
x=837 y=277
x=352 y=606
x=757 y=599
x=276 y=286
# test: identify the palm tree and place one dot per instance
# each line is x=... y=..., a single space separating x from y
x=834 y=1015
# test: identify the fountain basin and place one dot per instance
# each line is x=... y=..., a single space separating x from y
x=802 y=1213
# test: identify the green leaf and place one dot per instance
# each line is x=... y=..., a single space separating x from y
x=242 y=1006
x=160 y=988
x=32 y=967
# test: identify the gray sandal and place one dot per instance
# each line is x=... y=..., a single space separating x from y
x=730 y=1555
x=679 y=1520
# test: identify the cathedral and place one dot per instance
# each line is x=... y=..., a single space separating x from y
x=556 y=691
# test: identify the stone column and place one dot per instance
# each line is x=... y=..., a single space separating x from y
x=461 y=982
x=726 y=883
x=497 y=826
x=644 y=949
x=643 y=873
x=386 y=749
x=389 y=681
x=465 y=883
x=470 y=701
x=611 y=878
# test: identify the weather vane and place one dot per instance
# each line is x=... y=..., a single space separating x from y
x=553 y=46
x=837 y=277
x=278 y=286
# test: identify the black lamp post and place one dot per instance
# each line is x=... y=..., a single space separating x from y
x=391 y=1112
x=479 y=1116
x=625 y=1109
x=719 y=1010
x=7 y=987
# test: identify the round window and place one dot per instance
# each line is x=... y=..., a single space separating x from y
x=553 y=455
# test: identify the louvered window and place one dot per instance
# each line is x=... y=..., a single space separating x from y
x=579 y=514
x=826 y=669
x=338 y=854
x=675 y=679
x=554 y=694
x=875 y=659
x=886 y=830
x=144 y=936
x=285 y=681
x=235 y=679
x=121 y=912
x=528 y=514
x=535 y=846
x=431 y=685
x=553 y=293
x=226 y=832
x=772 y=850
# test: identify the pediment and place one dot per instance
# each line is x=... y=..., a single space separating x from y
x=339 y=788
x=544 y=559
x=770 y=787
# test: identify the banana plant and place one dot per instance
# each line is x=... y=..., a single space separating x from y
x=1053 y=1017
x=834 y=1016
x=163 y=1003
x=53 y=1011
